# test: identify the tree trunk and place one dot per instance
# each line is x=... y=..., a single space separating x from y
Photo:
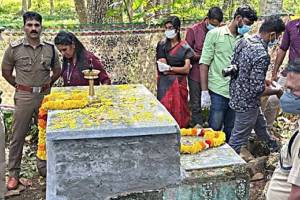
x=228 y=6
x=80 y=7
x=51 y=7
x=97 y=10
x=128 y=8
x=24 y=6
x=270 y=7
x=29 y=4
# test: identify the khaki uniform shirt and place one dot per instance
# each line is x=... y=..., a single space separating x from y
x=286 y=173
x=32 y=66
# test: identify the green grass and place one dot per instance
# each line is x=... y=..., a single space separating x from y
x=64 y=14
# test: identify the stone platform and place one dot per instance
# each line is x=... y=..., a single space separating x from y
x=125 y=142
x=214 y=174
x=126 y=147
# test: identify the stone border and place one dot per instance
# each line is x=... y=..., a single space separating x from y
x=93 y=32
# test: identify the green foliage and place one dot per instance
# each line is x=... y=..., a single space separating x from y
x=144 y=11
x=8 y=122
x=141 y=11
x=292 y=7
x=29 y=169
x=64 y=13
x=8 y=119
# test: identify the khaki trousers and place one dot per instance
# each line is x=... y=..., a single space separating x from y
x=26 y=106
x=271 y=105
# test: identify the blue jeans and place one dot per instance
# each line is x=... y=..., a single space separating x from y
x=290 y=103
x=221 y=116
x=244 y=123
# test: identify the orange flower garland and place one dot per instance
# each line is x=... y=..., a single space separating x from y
x=211 y=139
x=56 y=101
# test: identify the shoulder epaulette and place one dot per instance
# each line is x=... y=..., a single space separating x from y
x=50 y=43
x=16 y=43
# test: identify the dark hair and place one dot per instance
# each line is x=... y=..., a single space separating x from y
x=215 y=13
x=32 y=16
x=68 y=38
x=272 y=24
x=246 y=12
x=175 y=21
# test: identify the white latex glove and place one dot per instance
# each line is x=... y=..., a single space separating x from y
x=276 y=85
x=205 y=99
x=163 y=67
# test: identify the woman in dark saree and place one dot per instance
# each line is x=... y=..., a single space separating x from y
x=173 y=59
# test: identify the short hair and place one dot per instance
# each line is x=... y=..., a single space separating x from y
x=272 y=24
x=215 y=13
x=32 y=16
x=175 y=21
x=246 y=12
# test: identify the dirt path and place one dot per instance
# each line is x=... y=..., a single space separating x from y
x=36 y=192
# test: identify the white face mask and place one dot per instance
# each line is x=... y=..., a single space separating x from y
x=170 y=33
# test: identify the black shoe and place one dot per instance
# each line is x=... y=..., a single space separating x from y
x=273 y=146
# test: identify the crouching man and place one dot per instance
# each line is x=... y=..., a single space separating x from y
x=250 y=64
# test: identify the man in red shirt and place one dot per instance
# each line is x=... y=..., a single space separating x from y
x=195 y=37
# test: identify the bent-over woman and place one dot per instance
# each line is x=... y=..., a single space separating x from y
x=76 y=59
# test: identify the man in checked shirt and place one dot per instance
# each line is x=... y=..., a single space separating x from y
x=251 y=58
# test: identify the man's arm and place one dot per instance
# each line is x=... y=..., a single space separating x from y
x=9 y=77
x=284 y=46
x=8 y=64
x=204 y=76
x=206 y=58
x=278 y=62
x=56 y=69
x=272 y=91
x=55 y=75
x=190 y=39
x=295 y=193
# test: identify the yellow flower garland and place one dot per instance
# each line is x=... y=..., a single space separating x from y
x=211 y=139
x=105 y=108
x=56 y=101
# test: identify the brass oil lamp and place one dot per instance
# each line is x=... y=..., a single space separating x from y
x=91 y=74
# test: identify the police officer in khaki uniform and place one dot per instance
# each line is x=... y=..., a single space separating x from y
x=37 y=67
x=285 y=182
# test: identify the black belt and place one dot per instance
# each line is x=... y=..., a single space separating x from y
x=33 y=89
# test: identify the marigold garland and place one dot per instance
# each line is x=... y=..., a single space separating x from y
x=106 y=108
x=56 y=101
x=211 y=139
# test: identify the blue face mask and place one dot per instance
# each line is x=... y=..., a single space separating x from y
x=244 y=29
x=210 y=27
x=290 y=103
